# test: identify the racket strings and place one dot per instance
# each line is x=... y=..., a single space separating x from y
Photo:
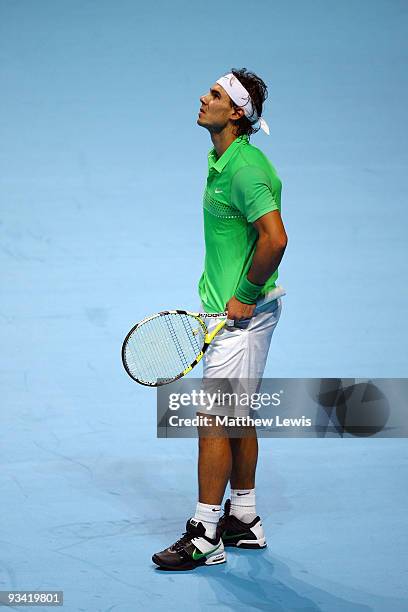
x=175 y=339
x=163 y=347
x=145 y=358
x=191 y=334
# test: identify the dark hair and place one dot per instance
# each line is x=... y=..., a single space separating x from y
x=258 y=91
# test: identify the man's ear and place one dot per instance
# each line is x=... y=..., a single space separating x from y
x=238 y=113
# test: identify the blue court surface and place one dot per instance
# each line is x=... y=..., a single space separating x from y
x=102 y=173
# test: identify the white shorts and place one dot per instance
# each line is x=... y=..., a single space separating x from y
x=239 y=353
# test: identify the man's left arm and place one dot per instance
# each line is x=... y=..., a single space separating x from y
x=270 y=247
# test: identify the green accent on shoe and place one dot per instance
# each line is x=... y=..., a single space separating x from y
x=236 y=535
x=197 y=555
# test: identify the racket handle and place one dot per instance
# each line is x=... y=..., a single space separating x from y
x=218 y=315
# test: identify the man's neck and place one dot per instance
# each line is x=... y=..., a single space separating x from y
x=222 y=140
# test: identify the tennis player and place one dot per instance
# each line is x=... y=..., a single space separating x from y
x=245 y=240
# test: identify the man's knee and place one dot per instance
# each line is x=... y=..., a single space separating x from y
x=211 y=429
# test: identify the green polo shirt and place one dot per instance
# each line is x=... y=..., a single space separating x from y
x=242 y=185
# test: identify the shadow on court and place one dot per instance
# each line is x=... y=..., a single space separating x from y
x=258 y=581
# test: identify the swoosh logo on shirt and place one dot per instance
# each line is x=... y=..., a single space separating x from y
x=218 y=190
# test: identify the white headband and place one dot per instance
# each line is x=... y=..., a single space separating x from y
x=241 y=97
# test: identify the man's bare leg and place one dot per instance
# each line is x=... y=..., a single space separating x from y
x=221 y=459
x=214 y=464
x=244 y=460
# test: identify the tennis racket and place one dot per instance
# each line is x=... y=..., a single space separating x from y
x=168 y=345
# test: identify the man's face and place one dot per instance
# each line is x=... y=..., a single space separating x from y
x=216 y=109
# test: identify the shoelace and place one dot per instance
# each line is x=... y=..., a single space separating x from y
x=187 y=536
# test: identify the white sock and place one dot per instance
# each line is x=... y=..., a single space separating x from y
x=243 y=504
x=208 y=515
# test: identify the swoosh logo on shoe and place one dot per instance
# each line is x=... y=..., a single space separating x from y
x=236 y=535
x=198 y=555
